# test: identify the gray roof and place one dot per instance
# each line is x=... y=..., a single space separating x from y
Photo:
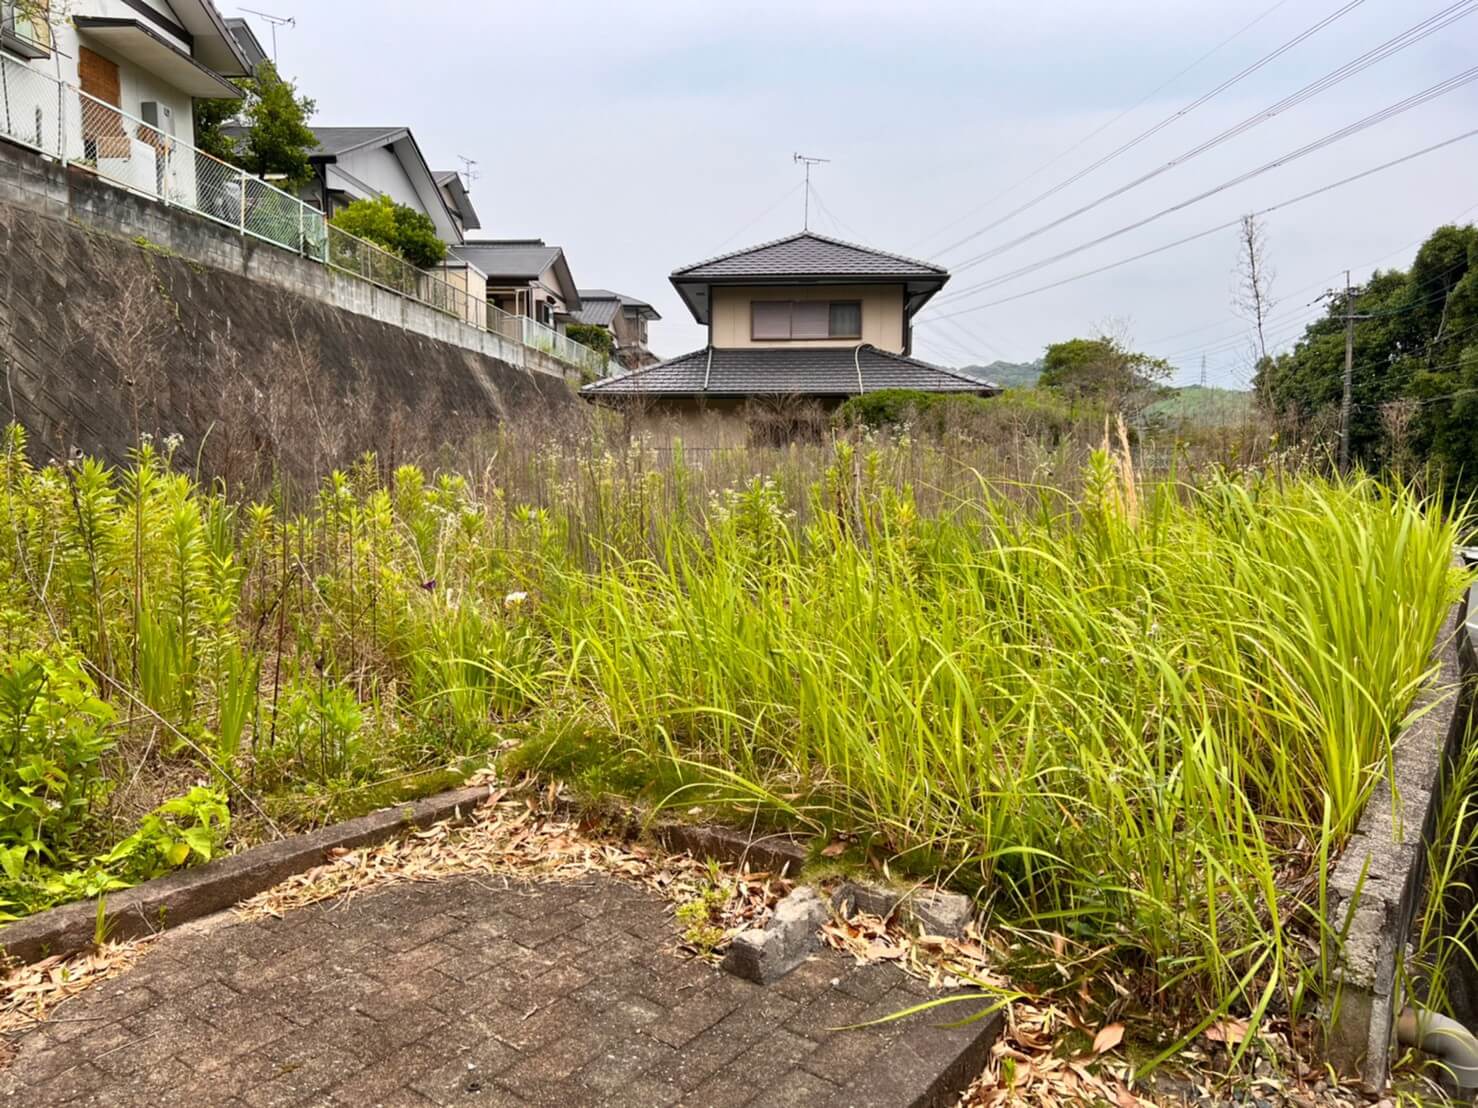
x=452 y=180
x=808 y=259
x=807 y=254
x=772 y=371
x=520 y=260
x=610 y=302
x=333 y=141
x=246 y=42
x=600 y=311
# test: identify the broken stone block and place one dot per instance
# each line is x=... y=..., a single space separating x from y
x=856 y=896
x=936 y=912
x=763 y=955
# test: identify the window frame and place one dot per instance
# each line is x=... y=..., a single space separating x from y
x=829 y=337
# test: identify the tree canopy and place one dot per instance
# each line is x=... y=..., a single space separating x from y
x=273 y=121
x=1415 y=379
x=1101 y=369
x=397 y=227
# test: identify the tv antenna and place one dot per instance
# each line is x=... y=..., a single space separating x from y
x=276 y=21
x=469 y=168
x=808 y=161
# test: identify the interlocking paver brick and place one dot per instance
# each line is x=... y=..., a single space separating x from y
x=463 y=992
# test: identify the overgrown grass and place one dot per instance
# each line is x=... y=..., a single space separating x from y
x=1142 y=715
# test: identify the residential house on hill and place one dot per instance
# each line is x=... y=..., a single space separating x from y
x=525 y=277
x=625 y=317
x=361 y=163
x=803 y=319
x=149 y=60
x=247 y=42
x=458 y=202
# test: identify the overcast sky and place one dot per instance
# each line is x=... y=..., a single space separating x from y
x=643 y=136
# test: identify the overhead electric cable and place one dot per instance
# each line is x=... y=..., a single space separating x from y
x=1134 y=107
x=1442 y=88
x=1410 y=37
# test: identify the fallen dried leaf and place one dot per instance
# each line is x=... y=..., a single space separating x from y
x=1108 y=1037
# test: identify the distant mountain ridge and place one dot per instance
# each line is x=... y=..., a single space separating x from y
x=1010 y=375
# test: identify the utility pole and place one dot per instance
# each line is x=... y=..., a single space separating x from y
x=1346 y=399
x=1203 y=371
x=808 y=162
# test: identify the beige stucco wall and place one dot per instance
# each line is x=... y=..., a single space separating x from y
x=474 y=284
x=882 y=314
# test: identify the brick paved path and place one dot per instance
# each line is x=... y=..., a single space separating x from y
x=466 y=991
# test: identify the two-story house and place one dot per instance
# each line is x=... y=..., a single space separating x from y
x=148 y=58
x=803 y=318
x=625 y=317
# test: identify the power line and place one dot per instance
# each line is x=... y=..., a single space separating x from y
x=1303 y=325
x=1410 y=37
x=1442 y=88
x=786 y=195
x=1301 y=290
x=1105 y=126
x=1211 y=230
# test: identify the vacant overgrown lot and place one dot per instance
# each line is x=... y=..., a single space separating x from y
x=1140 y=714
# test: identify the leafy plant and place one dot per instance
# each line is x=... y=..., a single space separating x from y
x=399 y=228
x=276 y=139
x=53 y=733
x=179 y=830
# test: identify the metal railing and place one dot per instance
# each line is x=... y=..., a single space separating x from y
x=63 y=122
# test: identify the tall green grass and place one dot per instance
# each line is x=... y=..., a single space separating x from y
x=1144 y=723
x=1145 y=715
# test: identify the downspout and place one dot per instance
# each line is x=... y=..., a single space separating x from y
x=708 y=368
x=857 y=364
x=1446 y=1039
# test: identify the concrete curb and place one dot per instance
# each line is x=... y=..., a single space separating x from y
x=779 y=854
x=189 y=894
x=1376 y=886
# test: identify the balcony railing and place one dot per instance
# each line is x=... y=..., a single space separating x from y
x=63 y=122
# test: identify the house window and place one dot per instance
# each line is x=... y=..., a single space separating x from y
x=25 y=27
x=800 y=320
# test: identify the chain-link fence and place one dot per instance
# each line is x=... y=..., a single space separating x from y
x=31 y=108
x=65 y=123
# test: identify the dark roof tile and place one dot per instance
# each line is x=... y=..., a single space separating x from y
x=807 y=254
x=762 y=371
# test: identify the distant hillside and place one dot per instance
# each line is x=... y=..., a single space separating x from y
x=1204 y=405
x=1011 y=375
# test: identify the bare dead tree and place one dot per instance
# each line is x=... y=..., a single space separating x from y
x=1252 y=295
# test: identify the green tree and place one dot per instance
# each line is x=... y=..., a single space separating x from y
x=1104 y=370
x=272 y=119
x=1414 y=386
x=594 y=336
x=398 y=228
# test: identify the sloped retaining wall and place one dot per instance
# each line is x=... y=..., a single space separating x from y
x=119 y=316
x=1376 y=887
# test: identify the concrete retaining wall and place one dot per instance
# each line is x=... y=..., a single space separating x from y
x=30 y=181
x=1376 y=888
x=120 y=316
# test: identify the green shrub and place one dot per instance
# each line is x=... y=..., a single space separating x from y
x=597 y=338
x=53 y=734
x=398 y=228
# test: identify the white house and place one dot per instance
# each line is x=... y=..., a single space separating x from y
x=150 y=58
x=361 y=163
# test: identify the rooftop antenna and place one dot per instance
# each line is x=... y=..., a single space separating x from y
x=276 y=21
x=469 y=168
x=808 y=161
